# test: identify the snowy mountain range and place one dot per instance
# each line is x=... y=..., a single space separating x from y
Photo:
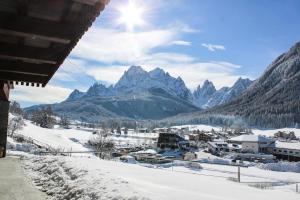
x=136 y=80
x=143 y=95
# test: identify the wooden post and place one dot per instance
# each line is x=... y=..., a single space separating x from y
x=297 y=189
x=4 y=107
x=239 y=174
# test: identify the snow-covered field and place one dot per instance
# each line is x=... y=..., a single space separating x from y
x=76 y=140
x=93 y=178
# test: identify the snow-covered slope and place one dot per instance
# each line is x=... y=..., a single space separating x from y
x=66 y=139
x=273 y=99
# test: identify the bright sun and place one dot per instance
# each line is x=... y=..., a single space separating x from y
x=131 y=15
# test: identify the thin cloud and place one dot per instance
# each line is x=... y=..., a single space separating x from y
x=109 y=46
x=181 y=43
x=48 y=95
x=213 y=47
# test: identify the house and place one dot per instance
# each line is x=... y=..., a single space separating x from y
x=285 y=150
x=171 y=141
x=160 y=130
x=217 y=147
x=252 y=143
x=201 y=136
x=143 y=130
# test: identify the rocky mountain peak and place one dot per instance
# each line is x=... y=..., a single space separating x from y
x=157 y=72
x=207 y=89
x=99 y=89
x=244 y=83
x=76 y=94
x=135 y=70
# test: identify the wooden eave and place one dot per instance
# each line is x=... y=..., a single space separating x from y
x=37 y=35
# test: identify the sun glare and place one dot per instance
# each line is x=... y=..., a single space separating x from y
x=131 y=15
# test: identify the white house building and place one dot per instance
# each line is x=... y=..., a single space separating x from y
x=217 y=147
x=252 y=143
x=285 y=150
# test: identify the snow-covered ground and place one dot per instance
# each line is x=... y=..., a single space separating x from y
x=93 y=178
x=77 y=139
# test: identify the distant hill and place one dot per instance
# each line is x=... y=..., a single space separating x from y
x=273 y=100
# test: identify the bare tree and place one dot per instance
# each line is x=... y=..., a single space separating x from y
x=15 y=124
x=64 y=122
x=15 y=108
x=44 y=117
x=102 y=143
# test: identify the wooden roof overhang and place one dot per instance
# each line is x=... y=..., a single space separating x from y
x=37 y=35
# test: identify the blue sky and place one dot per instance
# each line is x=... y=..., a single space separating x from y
x=219 y=40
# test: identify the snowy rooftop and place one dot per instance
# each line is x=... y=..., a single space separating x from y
x=288 y=145
x=250 y=138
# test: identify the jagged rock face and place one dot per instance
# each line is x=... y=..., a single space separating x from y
x=136 y=80
x=99 y=90
x=204 y=93
x=207 y=96
x=76 y=94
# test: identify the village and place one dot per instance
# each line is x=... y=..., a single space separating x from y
x=191 y=142
x=201 y=153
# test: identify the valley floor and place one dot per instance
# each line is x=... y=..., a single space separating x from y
x=85 y=176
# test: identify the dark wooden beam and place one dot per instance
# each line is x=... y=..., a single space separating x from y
x=35 y=26
x=18 y=51
x=88 y=2
x=4 y=90
x=27 y=67
x=28 y=60
x=4 y=108
x=23 y=77
x=33 y=36
x=22 y=72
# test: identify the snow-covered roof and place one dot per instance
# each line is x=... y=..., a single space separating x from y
x=287 y=145
x=148 y=151
x=250 y=138
x=218 y=144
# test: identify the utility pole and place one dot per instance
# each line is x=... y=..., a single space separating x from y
x=239 y=173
